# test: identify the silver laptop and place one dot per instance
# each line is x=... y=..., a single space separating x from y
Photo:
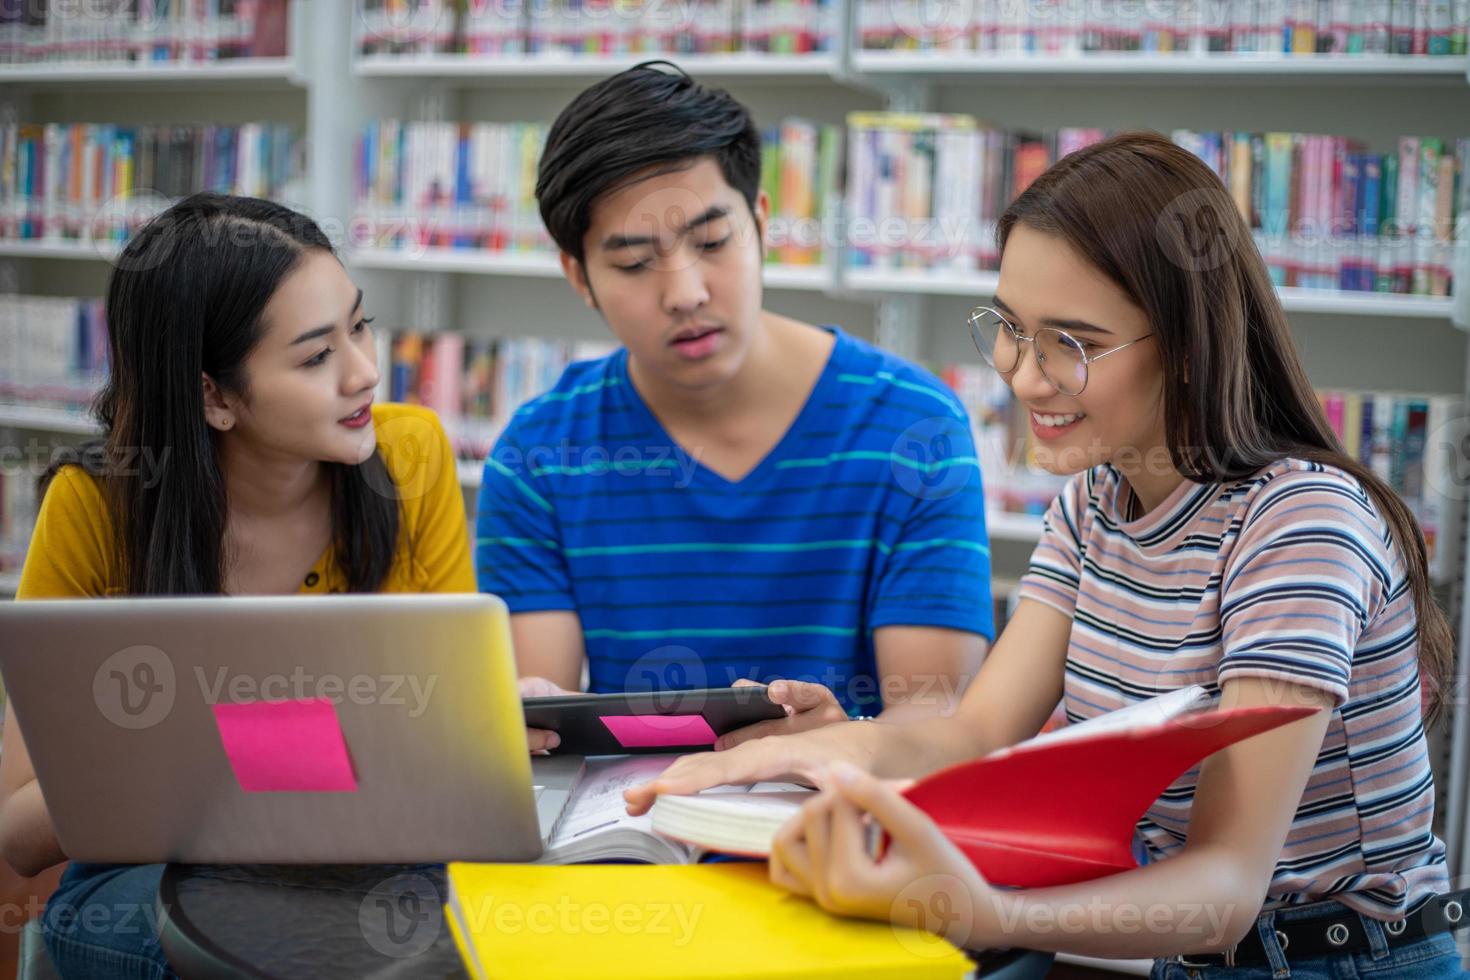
x=117 y=699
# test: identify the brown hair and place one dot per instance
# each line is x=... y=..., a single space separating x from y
x=1153 y=218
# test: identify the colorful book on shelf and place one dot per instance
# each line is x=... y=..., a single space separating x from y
x=473 y=383
x=1299 y=28
x=1013 y=813
x=472 y=186
x=1324 y=211
x=595 y=29
x=63 y=182
x=53 y=350
x=708 y=921
x=141 y=33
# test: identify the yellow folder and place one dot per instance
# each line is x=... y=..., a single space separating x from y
x=677 y=921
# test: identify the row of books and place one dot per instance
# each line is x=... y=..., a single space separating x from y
x=141 y=32
x=473 y=383
x=924 y=191
x=18 y=505
x=1411 y=442
x=53 y=355
x=799 y=162
x=1169 y=27
x=53 y=350
x=473 y=185
x=102 y=181
x=449 y=185
x=1328 y=214
x=1004 y=443
x=596 y=27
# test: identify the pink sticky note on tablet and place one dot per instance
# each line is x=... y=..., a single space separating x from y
x=286 y=746
x=658 y=731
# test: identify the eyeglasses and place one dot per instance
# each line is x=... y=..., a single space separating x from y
x=1063 y=359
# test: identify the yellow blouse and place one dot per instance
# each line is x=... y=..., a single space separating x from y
x=71 y=552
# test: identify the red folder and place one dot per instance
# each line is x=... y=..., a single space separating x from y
x=1062 y=812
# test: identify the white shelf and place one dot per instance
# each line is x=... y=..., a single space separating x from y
x=819 y=278
x=9 y=583
x=541 y=265
x=233 y=73
x=50 y=249
x=469 y=473
x=1162 y=69
x=816 y=278
x=924 y=282
x=1294 y=300
x=46 y=420
x=1004 y=526
x=1132 y=968
x=1364 y=304
x=472 y=261
x=552 y=67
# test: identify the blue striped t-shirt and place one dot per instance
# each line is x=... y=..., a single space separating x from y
x=867 y=513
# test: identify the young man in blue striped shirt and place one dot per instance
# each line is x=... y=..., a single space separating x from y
x=734 y=495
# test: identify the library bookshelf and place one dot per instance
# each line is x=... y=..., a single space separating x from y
x=332 y=92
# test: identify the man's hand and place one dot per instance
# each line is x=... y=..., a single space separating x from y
x=807 y=706
x=540 y=740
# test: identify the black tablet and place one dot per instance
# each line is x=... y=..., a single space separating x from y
x=662 y=721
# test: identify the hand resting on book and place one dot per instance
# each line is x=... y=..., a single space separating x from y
x=799 y=758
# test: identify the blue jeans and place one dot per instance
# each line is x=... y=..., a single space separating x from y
x=102 y=923
x=1430 y=958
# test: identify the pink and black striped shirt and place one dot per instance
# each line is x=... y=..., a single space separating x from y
x=1292 y=575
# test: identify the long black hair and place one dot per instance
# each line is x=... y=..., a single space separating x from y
x=185 y=300
x=1154 y=219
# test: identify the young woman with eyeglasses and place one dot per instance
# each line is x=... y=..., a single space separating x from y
x=1213 y=532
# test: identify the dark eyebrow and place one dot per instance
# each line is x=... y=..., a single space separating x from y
x=327 y=328
x=614 y=242
x=1070 y=326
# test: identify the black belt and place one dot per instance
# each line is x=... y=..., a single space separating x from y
x=1343 y=932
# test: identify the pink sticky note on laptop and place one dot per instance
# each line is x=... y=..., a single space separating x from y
x=658 y=731
x=286 y=746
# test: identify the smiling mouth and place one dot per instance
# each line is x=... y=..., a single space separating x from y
x=358 y=417
x=1053 y=420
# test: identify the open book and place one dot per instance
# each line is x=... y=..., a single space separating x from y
x=595 y=826
x=1057 y=809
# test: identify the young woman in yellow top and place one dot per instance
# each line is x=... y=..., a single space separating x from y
x=243 y=367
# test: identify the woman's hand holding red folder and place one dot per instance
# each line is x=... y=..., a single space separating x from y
x=920 y=880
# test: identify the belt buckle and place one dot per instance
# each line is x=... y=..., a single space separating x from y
x=1213 y=960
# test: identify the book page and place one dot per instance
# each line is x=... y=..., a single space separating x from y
x=1151 y=712
x=596 y=819
x=597 y=803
